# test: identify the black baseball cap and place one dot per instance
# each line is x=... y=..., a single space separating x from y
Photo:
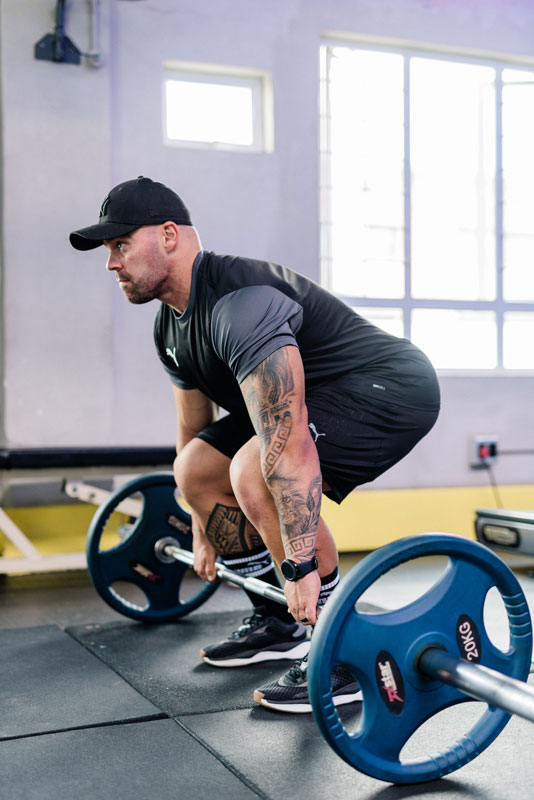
x=131 y=205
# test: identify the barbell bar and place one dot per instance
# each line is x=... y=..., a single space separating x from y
x=407 y=668
x=479 y=682
x=167 y=548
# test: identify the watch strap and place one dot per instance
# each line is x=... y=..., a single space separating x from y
x=300 y=569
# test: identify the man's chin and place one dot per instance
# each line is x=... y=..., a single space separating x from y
x=137 y=299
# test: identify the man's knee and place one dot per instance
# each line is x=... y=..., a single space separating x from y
x=199 y=470
x=247 y=480
x=186 y=471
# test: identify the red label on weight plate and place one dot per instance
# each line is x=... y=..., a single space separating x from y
x=145 y=572
x=390 y=683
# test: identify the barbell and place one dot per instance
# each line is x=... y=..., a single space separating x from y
x=411 y=663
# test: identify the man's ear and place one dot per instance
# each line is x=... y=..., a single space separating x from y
x=170 y=236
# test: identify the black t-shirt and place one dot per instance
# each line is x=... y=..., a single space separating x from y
x=240 y=311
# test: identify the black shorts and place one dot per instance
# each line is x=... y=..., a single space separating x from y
x=358 y=434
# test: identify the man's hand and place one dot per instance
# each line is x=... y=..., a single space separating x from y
x=205 y=555
x=302 y=597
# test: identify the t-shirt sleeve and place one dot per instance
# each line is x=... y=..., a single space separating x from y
x=167 y=356
x=250 y=324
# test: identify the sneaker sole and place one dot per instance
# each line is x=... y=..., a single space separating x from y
x=264 y=655
x=303 y=708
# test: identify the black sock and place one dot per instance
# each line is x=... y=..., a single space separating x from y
x=328 y=584
x=260 y=565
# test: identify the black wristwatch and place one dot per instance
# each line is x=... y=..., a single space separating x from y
x=294 y=572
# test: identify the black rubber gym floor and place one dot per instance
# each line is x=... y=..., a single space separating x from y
x=107 y=707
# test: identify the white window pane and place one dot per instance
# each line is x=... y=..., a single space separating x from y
x=453 y=180
x=455 y=339
x=389 y=319
x=518 y=177
x=517 y=76
x=518 y=216
x=209 y=112
x=518 y=336
x=518 y=275
x=366 y=204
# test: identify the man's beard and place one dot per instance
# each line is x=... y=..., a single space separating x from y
x=137 y=296
x=141 y=292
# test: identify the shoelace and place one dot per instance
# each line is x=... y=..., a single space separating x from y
x=298 y=671
x=249 y=624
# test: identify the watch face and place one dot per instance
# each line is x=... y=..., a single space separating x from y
x=289 y=570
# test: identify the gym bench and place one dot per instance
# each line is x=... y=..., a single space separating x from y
x=26 y=464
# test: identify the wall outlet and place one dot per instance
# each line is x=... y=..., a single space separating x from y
x=485 y=450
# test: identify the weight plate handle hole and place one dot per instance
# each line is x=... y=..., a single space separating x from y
x=130 y=594
x=496 y=620
x=402 y=585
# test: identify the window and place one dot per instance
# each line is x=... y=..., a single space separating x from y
x=427 y=211
x=227 y=108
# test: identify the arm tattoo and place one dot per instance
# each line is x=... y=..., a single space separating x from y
x=299 y=515
x=268 y=396
x=269 y=392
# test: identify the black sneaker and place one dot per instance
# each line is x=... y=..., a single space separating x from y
x=290 y=692
x=260 y=638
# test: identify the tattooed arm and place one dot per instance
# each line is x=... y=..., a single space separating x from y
x=274 y=394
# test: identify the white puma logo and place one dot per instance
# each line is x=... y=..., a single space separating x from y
x=315 y=432
x=172 y=354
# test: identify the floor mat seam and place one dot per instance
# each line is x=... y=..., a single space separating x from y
x=91 y=726
x=168 y=713
x=224 y=761
x=119 y=674
x=175 y=714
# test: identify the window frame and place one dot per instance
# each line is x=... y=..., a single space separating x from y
x=258 y=80
x=407 y=304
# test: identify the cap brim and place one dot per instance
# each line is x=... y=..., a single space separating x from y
x=95 y=235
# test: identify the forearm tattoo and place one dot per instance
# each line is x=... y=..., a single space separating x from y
x=299 y=514
x=230 y=532
x=269 y=392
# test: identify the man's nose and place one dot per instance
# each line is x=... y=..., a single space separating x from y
x=112 y=262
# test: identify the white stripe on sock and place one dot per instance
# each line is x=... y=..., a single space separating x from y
x=247 y=559
x=326 y=591
x=251 y=566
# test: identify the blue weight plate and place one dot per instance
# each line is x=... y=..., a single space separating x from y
x=132 y=559
x=381 y=650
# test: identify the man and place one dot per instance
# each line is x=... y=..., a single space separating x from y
x=318 y=399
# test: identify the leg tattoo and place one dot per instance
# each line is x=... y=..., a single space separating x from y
x=230 y=532
x=242 y=550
